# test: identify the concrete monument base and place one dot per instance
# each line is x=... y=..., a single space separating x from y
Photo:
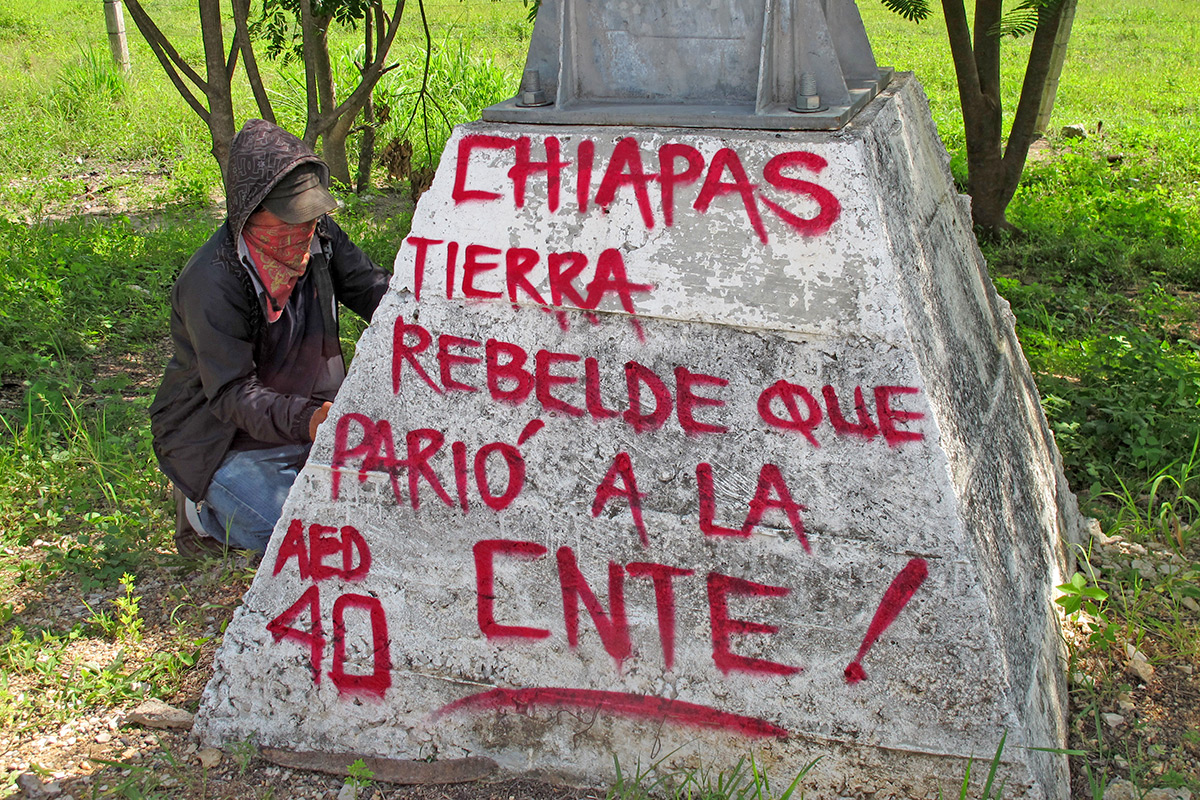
x=675 y=446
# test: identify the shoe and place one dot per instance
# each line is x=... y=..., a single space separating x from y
x=189 y=542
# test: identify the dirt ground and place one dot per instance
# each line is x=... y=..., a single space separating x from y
x=101 y=753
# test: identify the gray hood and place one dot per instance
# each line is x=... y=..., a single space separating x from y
x=260 y=155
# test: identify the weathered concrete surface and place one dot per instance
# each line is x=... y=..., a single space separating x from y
x=615 y=62
x=461 y=569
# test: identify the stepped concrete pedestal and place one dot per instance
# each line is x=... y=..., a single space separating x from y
x=676 y=445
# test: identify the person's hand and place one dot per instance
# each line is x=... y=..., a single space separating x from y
x=318 y=417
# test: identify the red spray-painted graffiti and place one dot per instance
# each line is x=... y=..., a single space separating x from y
x=618 y=704
x=489 y=273
x=375 y=452
x=692 y=397
x=626 y=171
x=309 y=556
x=640 y=401
x=894 y=600
x=422 y=463
x=612 y=626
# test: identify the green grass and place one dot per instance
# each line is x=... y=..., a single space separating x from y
x=1130 y=65
x=1104 y=281
x=1103 y=274
x=745 y=780
x=66 y=112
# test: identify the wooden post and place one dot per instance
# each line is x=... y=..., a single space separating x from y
x=114 y=18
x=1056 y=64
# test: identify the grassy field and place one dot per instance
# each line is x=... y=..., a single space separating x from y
x=107 y=187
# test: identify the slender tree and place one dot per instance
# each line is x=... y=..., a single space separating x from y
x=994 y=165
x=329 y=119
x=216 y=109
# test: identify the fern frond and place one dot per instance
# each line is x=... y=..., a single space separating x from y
x=1016 y=23
x=911 y=10
x=1023 y=20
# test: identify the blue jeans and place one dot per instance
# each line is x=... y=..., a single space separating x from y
x=246 y=495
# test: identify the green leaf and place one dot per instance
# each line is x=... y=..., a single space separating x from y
x=1070 y=603
x=987 y=787
x=1023 y=19
x=911 y=10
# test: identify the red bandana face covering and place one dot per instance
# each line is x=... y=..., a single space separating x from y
x=280 y=254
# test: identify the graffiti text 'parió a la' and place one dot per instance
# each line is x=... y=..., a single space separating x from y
x=570 y=386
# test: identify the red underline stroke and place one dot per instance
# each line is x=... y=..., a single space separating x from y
x=637 y=706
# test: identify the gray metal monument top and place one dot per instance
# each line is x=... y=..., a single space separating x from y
x=767 y=64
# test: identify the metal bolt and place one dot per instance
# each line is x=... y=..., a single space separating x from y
x=807 y=99
x=532 y=95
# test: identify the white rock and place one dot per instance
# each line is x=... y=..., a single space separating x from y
x=31 y=785
x=1163 y=794
x=1121 y=790
x=157 y=714
x=209 y=757
x=1144 y=568
x=895 y=296
x=1141 y=668
x=1113 y=720
x=1094 y=530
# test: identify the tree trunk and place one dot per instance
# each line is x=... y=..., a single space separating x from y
x=333 y=152
x=220 y=100
x=993 y=167
x=985 y=185
x=327 y=119
x=318 y=75
x=241 y=13
x=978 y=81
x=984 y=126
x=1046 y=108
x=366 y=148
x=1037 y=78
x=332 y=130
x=309 y=45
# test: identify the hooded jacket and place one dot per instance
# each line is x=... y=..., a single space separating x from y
x=235 y=381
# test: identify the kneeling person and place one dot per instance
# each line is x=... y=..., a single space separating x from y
x=257 y=359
